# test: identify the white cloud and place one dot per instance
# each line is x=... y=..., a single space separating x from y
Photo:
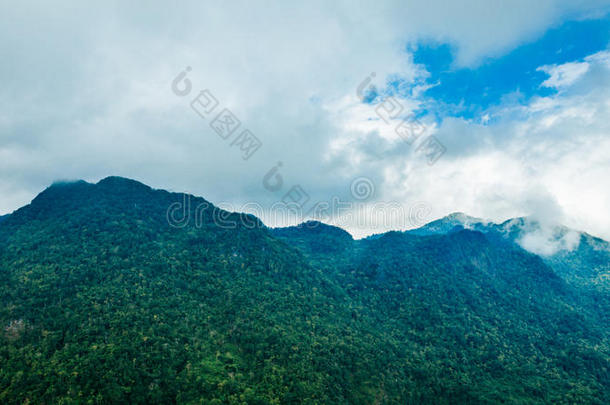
x=86 y=94
x=564 y=75
x=548 y=159
x=545 y=242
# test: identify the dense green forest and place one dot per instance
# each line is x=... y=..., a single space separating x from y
x=102 y=301
x=586 y=265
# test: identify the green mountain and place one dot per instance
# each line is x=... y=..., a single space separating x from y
x=448 y=223
x=106 y=301
x=579 y=258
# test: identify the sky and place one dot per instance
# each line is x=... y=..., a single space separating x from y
x=515 y=96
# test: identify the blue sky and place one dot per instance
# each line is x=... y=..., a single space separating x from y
x=469 y=91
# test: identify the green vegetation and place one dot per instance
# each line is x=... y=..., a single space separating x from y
x=103 y=302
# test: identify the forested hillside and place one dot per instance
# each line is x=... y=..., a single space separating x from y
x=102 y=301
x=579 y=258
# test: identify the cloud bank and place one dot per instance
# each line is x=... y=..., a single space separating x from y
x=87 y=93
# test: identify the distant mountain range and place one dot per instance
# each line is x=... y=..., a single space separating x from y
x=576 y=256
x=103 y=301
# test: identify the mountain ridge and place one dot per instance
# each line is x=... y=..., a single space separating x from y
x=104 y=298
x=439 y=225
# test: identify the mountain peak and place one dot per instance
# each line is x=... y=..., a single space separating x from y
x=61 y=187
x=461 y=217
x=315 y=227
x=117 y=181
x=67 y=183
x=315 y=237
x=446 y=224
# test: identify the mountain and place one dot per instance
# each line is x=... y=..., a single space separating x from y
x=106 y=300
x=3 y=217
x=448 y=223
x=315 y=237
x=578 y=257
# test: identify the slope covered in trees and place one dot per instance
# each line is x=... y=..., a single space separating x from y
x=102 y=301
x=579 y=258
